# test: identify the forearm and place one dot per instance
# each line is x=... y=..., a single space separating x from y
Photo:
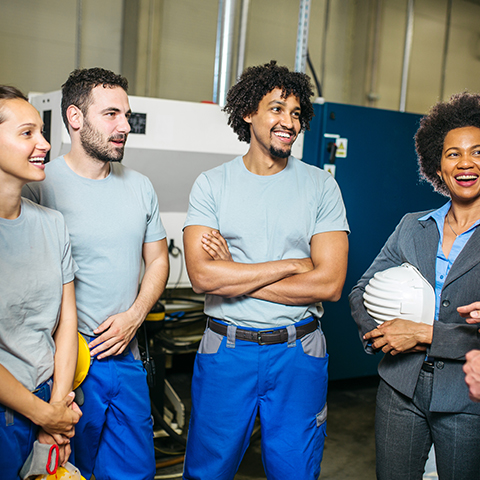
x=16 y=397
x=329 y=253
x=232 y=279
x=154 y=280
x=304 y=289
x=66 y=346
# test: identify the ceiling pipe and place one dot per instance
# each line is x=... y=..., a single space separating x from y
x=242 y=37
x=406 y=54
x=223 y=50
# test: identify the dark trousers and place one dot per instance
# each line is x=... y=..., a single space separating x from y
x=405 y=430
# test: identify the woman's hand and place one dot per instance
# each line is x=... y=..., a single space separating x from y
x=63 y=443
x=216 y=246
x=400 y=336
x=471 y=312
x=60 y=417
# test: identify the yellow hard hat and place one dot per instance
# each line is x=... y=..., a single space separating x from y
x=83 y=362
x=62 y=473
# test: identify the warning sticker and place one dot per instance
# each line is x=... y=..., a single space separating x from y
x=341 y=147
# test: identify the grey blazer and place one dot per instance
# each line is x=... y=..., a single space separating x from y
x=416 y=242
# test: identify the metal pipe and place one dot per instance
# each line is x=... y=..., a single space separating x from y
x=223 y=51
x=218 y=50
x=406 y=54
x=302 y=36
x=445 y=49
x=242 y=37
x=78 y=59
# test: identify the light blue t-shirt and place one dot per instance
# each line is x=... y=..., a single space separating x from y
x=35 y=263
x=265 y=218
x=109 y=220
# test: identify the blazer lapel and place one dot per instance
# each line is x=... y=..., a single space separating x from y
x=426 y=245
x=467 y=259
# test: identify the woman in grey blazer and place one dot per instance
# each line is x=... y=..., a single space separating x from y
x=422 y=396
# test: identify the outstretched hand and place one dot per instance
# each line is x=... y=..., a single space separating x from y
x=471 y=312
x=216 y=246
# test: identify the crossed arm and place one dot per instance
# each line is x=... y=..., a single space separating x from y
x=319 y=277
x=117 y=331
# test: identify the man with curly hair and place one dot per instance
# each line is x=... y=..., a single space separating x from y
x=113 y=217
x=266 y=241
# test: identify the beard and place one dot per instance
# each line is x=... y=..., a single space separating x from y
x=96 y=146
x=276 y=152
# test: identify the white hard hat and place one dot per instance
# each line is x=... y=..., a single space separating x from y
x=400 y=292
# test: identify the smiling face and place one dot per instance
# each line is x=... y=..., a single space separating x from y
x=22 y=145
x=276 y=124
x=460 y=164
x=105 y=125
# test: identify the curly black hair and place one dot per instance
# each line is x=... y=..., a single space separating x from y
x=9 y=93
x=254 y=83
x=462 y=110
x=76 y=90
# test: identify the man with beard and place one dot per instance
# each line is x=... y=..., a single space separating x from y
x=113 y=218
x=265 y=240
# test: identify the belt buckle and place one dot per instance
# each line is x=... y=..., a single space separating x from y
x=259 y=336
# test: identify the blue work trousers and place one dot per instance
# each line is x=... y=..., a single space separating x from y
x=17 y=435
x=114 y=437
x=233 y=381
x=406 y=428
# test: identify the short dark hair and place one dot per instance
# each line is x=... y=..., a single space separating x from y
x=9 y=93
x=462 y=110
x=80 y=83
x=254 y=83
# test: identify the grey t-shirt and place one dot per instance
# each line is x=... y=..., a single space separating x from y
x=35 y=262
x=265 y=218
x=109 y=220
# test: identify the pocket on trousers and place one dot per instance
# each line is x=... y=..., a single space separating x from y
x=314 y=344
x=210 y=342
x=322 y=416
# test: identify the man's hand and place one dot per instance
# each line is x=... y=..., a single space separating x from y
x=63 y=443
x=216 y=246
x=61 y=417
x=472 y=374
x=116 y=332
x=471 y=312
x=400 y=336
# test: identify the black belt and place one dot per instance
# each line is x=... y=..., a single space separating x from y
x=264 y=337
x=428 y=367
